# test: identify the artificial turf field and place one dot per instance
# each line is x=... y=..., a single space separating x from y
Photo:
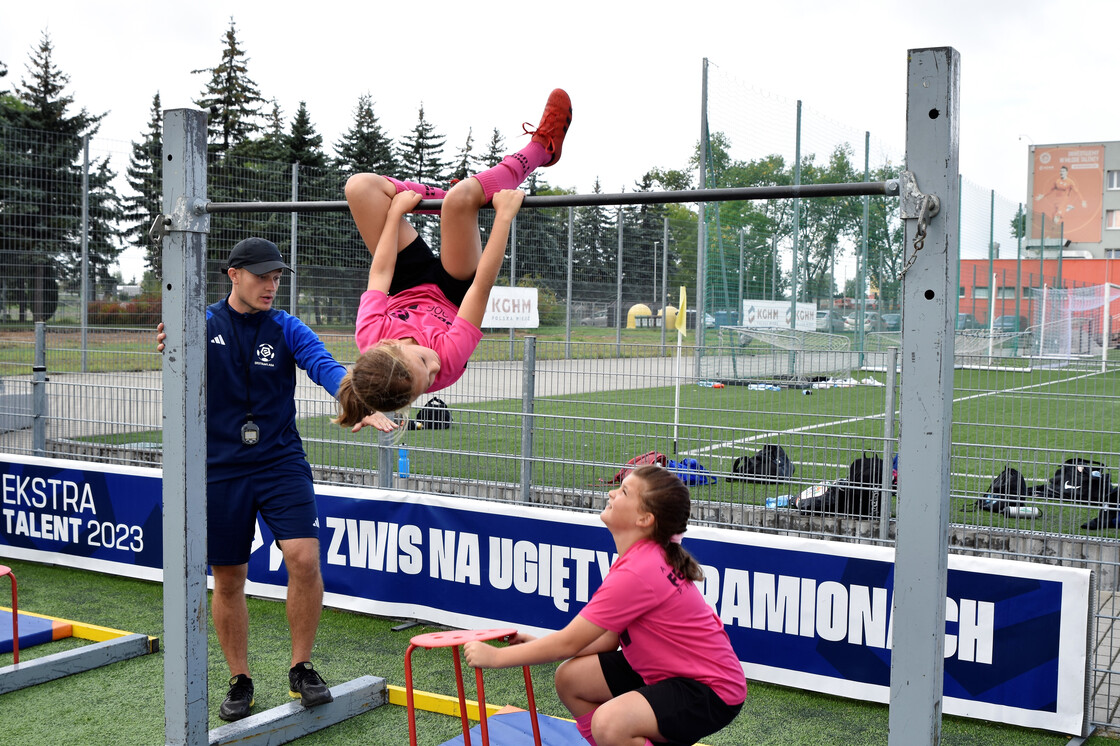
x=122 y=704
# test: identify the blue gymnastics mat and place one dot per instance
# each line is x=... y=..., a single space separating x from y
x=516 y=729
x=33 y=630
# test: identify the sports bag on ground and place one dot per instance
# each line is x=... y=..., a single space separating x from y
x=769 y=464
x=434 y=415
x=1004 y=491
x=856 y=494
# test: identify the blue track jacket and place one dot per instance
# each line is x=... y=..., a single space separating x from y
x=252 y=358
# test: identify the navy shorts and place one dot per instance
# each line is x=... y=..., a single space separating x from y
x=284 y=495
x=416 y=265
x=686 y=710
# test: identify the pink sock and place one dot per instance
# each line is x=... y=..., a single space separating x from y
x=513 y=169
x=428 y=192
x=583 y=725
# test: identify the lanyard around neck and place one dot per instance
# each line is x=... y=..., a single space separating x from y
x=245 y=359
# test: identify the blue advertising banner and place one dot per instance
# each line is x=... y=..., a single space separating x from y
x=800 y=612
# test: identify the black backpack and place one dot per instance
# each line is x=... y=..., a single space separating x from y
x=1078 y=480
x=770 y=464
x=1009 y=484
x=1109 y=516
x=857 y=494
x=432 y=416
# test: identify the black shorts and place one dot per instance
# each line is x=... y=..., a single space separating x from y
x=686 y=710
x=416 y=265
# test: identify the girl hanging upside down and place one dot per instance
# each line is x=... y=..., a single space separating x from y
x=676 y=678
x=418 y=321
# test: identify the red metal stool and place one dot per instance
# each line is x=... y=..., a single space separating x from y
x=453 y=640
x=5 y=570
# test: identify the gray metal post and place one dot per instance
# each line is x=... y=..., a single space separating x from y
x=796 y=242
x=739 y=307
x=991 y=255
x=384 y=461
x=929 y=292
x=571 y=265
x=796 y=223
x=863 y=239
x=293 y=277
x=39 y=392
x=664 y=275
x=774 y=267
x=1019 y=265
x=618 y=293
x=701 y=227
x=84 y=311
x=889 y=381
x=512 y=272
x=528 y=392
x=184 y=428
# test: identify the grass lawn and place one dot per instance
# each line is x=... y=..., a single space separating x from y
x=122 y=703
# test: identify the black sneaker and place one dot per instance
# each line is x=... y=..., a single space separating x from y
x=306 y=685
x=239 y=700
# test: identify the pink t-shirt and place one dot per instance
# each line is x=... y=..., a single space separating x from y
x=665 y=627
x=424 y=314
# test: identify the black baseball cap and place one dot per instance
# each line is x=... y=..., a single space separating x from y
x=257 y=255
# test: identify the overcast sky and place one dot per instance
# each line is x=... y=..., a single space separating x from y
x=1031 y=71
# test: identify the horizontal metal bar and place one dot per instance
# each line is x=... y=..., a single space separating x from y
x=852 y=189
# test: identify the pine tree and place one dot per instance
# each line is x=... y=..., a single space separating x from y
x=271 y=146
x=495 y=151
x=365 y=148
x=421 y=153
x=231 y=96
x=593 y=252
x=145 y=176
x=463 y=159
x=304 y=144
x=40 y=225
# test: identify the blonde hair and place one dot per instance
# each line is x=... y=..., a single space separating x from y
x=380 y=381
x=664 y=495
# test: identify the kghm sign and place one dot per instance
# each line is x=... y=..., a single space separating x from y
x=512 y=308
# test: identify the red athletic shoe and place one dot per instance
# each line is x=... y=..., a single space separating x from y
x=554 y=124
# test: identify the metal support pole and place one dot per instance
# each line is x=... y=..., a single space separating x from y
x=1019 y=264
x=385 y=461
x=739 y=306
x=701 y=226
x=618 y=292
x=796 y=223
x=774 y=267
x=512 y=273
x=864 y=232
x=571 y=264
x=992 y=250
x=184 y=429
x=929 y=294
x=39 y=403
x=1061 y=252
x=528 y=393
x=293 y=277
x=664 y=276
x=890 y=380
x=85 y=254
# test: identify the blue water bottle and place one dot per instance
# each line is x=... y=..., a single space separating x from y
x=402 y=463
